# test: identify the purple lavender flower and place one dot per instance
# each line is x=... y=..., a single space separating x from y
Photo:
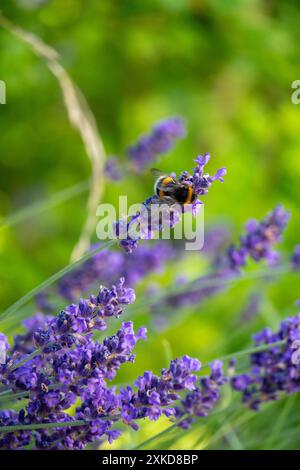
x=103 y=266
x=273 y=371
x=4 y=347
x=201 y=181
x=78 y=320
x=147 y=259
x=259 y=240
x=200 y=401
x=101 y=406
x=104 y=402
x=55 y=381
x=156 y=395
x=216 y=239
x=159 y=141
x=67 y=438
x=4 y=342
x=240 y=382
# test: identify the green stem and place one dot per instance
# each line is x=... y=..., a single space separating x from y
x=8 y=396
x=245 y=352
x=23 y=361
x=32 y=427
x=38 y=207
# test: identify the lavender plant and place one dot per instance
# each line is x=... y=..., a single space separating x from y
x=62 y=372
x=69 y=366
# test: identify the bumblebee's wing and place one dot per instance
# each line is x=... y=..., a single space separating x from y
x=156 y=173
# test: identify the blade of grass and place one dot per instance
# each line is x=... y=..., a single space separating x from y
x=243 y=419
x=233 y=440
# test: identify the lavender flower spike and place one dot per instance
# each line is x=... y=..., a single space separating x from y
x=156 y=395
x=89 y=314
x=275 y=370
x=259 y=239
x=203 y=398
x=201 y=181
x=159 y=141
x=156 y=214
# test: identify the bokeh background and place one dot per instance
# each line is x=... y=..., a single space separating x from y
x=227 y=68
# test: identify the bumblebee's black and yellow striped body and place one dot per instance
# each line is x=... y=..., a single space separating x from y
x=171 y=191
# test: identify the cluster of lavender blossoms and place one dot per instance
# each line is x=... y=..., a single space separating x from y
x=148 y=148
x=56 y=379
x=206 y=394
x=275 y=370
x=155 y=215
x=57 y=364
x=259 y=239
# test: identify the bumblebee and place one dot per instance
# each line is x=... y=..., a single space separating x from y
x=171 y=191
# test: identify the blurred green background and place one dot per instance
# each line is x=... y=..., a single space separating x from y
x=226 y=66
